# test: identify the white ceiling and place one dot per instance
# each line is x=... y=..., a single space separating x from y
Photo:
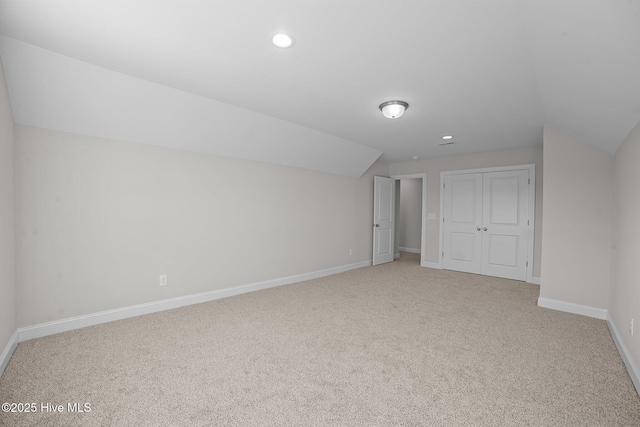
x=489 y=72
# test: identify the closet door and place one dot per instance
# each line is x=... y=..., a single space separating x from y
x=505 y=211
x=462 y=215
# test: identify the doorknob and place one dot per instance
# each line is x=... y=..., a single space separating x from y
x=376 y=225
x=478 y=228
x=484 y=229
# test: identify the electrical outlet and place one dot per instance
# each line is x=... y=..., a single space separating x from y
x=164 y=281
x=350 y=252
x=631 y=327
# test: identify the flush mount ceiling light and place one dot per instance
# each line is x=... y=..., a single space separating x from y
x=447 y=137
x=283 y=40
x=393 y=109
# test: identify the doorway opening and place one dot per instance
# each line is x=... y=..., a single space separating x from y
x=408 y=244
x=409 y=217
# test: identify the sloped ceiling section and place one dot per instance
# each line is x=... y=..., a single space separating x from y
x=586 y=57
x=491 y=73
x=53 y=91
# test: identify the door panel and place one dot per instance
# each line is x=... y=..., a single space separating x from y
x=505 y=216
x=462 y=218
x=504 y=250
x=504 y=200
x=464 y=200
x=383 y=218
x=463 y=246
x=384 y=242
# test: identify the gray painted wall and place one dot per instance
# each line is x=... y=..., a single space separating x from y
x=578 y=202
x=410 y=222
x=624 y=296
x=99 y=220
x=7 y=212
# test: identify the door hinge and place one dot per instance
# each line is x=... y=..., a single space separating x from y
x=443 y=254
x=527 y=222
x=443 y=185
x=529 y=181
x=442 y=219
x=527 y=263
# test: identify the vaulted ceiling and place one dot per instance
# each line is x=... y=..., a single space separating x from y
x=204 y=76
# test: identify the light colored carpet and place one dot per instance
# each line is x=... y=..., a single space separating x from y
x=395 y=344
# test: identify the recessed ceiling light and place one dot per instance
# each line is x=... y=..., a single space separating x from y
x=283 y=40
x=415 y=157
x=447 y=137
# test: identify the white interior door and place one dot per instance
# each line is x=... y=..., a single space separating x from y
x=505 y=224
x=462 y=216
x=383 y=219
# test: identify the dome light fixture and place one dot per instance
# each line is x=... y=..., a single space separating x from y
x=283 y=40
x=393 y=109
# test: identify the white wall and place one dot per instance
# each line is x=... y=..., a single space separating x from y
x=624 y=296
x=410 y=221
x=98 y=220
x=578 y=196
x=433 y=167
x=7 y=212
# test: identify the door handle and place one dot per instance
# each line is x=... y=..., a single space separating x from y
x=478 y=228
x=484 y=229
x=376 y=225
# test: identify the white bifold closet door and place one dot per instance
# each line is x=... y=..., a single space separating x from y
x=485 y=220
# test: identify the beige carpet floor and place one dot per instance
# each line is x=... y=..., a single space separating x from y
x=390 y=345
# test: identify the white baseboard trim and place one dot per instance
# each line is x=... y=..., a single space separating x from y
x=55 y=327
x=410 y=250
x=8 y=351
x=569 y=307
x=535 y=280
x=632 y=368
x=431 y=265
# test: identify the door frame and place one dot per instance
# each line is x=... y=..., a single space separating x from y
x=532 y=208
x=423 y=232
